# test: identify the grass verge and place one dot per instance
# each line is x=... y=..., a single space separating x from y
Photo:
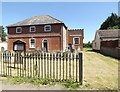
x=45 y=81
x=87 y=49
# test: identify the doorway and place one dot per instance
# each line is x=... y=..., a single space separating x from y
x=45 y=44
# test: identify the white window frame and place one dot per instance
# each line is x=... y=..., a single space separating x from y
x=17 y=31
x=30 y=42
x=74 y=40
x=45 y=28
x=34 y=28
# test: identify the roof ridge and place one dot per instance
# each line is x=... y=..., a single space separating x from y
x=55 y=18
x=109 y=30
x=76 y=29
x=40 y=16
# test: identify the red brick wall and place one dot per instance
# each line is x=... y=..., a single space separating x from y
x=81 y=41
x=80 y=34
x=110 y=43
x=53 y=43
x=39 y=29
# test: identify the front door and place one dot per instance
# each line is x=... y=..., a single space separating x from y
x=45 y=45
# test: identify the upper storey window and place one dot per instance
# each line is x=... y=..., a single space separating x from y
x=32 y=29
x=18 y=30
x=47 y=28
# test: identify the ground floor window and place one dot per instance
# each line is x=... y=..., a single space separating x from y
x=76 y=40
x=32 y=43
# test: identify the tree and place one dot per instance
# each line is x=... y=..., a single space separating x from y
x=87 y=45
x=2 y=34
x=112 y=22
x=114 y=27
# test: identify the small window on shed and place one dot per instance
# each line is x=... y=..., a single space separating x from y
x=47 y=28
x=18 y=30
x=32 y=29
x=95 y=44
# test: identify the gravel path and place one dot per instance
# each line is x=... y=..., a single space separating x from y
x=25 y=86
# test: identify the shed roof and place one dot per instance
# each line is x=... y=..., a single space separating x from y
x=37 y=20
x=109 y=33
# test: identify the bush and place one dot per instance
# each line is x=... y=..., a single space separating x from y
x=71 y=84
x=87 y=45
x=45 y=81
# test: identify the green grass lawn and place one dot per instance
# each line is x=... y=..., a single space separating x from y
x=100 y=72
x=87 y=49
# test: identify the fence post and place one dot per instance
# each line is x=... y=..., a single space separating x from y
x=80 y=68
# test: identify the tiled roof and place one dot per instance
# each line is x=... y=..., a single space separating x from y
x=76 y=29
x=109 y=33
x=37 y=20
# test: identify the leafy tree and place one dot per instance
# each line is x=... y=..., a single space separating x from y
x=87 y=45
x=2 y=33
x=112 y=22
x=114 y=27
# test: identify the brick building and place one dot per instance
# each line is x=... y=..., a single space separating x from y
x=43 y=32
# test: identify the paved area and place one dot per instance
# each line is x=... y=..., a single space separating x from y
x=0 y=86
x=26 y=86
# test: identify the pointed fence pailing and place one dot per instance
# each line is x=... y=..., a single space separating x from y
x=59 y=67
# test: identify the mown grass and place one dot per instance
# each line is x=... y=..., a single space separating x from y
x=100 y=72
x=87 y=49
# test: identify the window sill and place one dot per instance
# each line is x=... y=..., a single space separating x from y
x=76 y=44
x=32 y=31
x=47 y=31
x=18 y=32
x=32 y=47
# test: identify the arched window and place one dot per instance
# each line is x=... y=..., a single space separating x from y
x=32 y=43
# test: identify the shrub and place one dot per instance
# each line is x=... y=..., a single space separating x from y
x=71 y=84
x=45 y=81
